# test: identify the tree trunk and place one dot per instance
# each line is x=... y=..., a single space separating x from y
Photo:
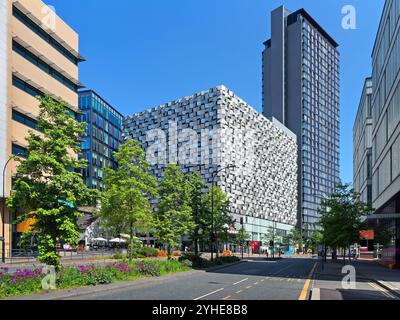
x=196 y=246
x=131 y=242
x=169 y=251
x=217 y=249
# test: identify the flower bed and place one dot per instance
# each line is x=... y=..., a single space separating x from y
x=30 y=281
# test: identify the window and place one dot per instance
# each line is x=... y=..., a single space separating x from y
x=19 y=151
x=24 y=119
x=20 y=84
x=44 y=35
x=44 y=66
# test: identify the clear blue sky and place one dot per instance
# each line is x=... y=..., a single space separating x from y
x=144 y=53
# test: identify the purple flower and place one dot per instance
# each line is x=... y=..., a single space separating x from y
x=83 y=269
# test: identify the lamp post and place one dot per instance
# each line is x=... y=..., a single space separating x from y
x=213 y=236
x=3 y=212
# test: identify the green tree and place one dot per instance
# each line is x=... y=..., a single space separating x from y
x=296 y=236
x=242 y=237
x=342 y=217
x=128 y=191
x=383 y=237
x=48 y=184
x=272 y=235
x=316 y=238
x=198 y=205
x=173 y=217
x=217 y=215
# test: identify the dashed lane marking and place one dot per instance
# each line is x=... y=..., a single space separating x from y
x=209 y=294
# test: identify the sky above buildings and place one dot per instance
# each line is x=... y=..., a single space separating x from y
x=144 y=53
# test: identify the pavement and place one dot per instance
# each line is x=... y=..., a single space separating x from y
x=252 y=279
x=372 y=281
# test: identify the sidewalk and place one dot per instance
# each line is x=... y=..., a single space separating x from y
x=373 y=282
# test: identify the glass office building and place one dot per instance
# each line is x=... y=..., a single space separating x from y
x=103 y=136
x=301 y=90
x=386 y=129
x=362 y=145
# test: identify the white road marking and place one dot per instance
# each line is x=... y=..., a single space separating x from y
x=208 y=294
x=236 y=283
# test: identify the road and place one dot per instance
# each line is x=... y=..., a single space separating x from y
x=255 y=279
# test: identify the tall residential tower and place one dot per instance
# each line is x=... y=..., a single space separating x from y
x=301 y=90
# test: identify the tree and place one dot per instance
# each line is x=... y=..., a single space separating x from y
x=173 y=217
x=342 y=216
x=296 y=236
x=217 y=215
x=272 y=235
x=383 y=237
x=241 y=237
x=316 y=239
x=48 y=184
x=128 y=191
x=198 y=205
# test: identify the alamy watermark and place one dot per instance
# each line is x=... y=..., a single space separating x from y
x=200 y=147
x=49 y=21
x=349 y=21
x=349 y=281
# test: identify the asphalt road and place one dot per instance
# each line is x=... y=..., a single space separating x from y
x=256 y=279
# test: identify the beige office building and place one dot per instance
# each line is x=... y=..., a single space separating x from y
x=38 y=55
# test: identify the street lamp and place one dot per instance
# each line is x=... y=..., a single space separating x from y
x=213 y=236
x=3 y=212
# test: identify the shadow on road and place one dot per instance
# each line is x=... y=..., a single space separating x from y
x=274 y=268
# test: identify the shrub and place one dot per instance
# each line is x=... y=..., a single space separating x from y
x=148 y=268
x=197 y=260
x=148 y=252
x=119 y=256
x=176 y=253
x=21 y=282
x=227 y=253
x=226 y=259
x=186 y=263
x=162 y=254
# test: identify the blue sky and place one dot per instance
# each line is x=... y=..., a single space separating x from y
x=144 y=53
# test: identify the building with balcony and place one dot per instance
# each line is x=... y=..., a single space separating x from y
x=39 y=54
